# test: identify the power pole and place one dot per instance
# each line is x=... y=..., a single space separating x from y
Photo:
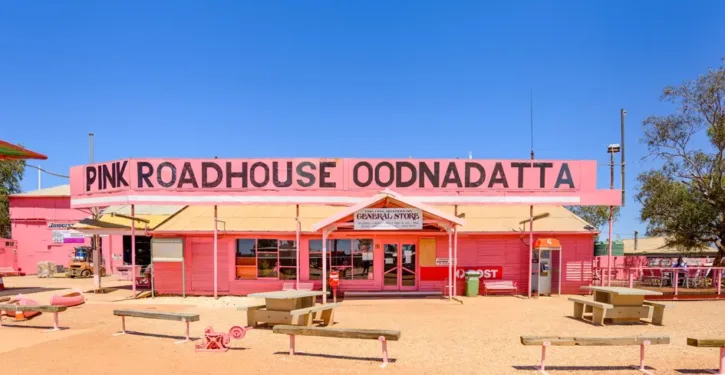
x=622 y=113
x=96 y=239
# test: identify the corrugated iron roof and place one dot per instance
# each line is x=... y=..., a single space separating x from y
x=55 y=191
x=658 y=245
x=281 y=218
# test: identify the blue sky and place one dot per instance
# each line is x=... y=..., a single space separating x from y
x=345 y=78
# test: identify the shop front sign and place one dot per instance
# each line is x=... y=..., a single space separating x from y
x=388 y=219
x=337 y=181
x=441 y=273
x=68 y=236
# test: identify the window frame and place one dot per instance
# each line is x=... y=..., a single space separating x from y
x=353 y=252
x=257 y=252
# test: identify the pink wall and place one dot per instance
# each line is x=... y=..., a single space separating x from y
x=507 y=251
x=29 y=225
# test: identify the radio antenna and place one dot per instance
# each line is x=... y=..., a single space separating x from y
x=531 y=116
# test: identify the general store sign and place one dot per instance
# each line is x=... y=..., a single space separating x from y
x=337 y=181
x=441 y=273
x=388 y=219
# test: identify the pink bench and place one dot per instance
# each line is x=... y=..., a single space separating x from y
x=499 y=286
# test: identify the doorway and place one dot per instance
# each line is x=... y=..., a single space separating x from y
x=400 y=265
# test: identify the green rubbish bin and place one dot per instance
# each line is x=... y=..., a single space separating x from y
x=472 y=283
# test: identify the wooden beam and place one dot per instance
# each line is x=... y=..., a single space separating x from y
x=41 y=308
x=594 y=341
x=707 y=342
x=343 y=333
x=178 y=316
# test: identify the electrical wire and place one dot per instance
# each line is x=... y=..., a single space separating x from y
x=48 y=172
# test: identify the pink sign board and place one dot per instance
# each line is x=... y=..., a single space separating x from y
x=336 y=181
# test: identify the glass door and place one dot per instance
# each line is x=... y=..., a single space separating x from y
x=390 y=266
x=400 y=267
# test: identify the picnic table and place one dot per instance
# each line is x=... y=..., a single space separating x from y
x=620 y=305
x=624 y=305
x=291 y=307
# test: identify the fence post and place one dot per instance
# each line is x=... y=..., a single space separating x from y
x=631 y=278
x=676 y=279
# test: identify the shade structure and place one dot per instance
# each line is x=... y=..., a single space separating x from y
x=9 y=151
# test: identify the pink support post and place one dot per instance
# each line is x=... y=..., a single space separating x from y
x=216 y=265
x=642 y=367
x=722 y=361
x=542 y=366
x=55 y=322
x=676 y=281
x=451 y=272
x=385 y=351
x=187 y=330
x=133 y=249
x=291 y=344
x=531 y=247
x=719 y=281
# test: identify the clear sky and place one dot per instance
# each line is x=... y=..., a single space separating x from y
x=345 y=78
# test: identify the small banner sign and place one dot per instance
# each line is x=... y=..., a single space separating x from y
x=68 y=236
x=389 y=219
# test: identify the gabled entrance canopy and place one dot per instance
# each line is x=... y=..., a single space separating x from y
x=433 y=219
x=389 y=199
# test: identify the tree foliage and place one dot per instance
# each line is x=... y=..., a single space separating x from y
x=684 y=199
x=11 y=173
x=597 y=216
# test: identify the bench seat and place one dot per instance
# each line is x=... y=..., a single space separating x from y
x=184 y=317
x=658 y=314
x=343 y=333
x=599 y=309
x=39 y=308
x=497 y=286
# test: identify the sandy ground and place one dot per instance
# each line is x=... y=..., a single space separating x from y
x=480 y=336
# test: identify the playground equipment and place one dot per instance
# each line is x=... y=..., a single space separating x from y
x=81 y=264
x=69 y=300
x=219 y=341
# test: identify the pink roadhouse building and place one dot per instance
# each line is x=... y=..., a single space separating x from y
x=238 y=226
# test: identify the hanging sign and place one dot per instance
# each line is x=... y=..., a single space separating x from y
x=442 y=261
x=68 y=236
x=389 y=219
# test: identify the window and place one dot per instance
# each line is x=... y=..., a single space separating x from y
x=266 y=259
x=352 y=258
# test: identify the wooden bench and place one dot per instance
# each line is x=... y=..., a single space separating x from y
x=599 y=309
x=658 y=314
x=500 y=286
x=40 y=308
x=711 y=343
x=641 y=341
x=343 y=333
x=250 y=308
x=305 y=316
x=146 y=314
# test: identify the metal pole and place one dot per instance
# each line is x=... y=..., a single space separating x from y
x=611 y=215
x=133 y=249
x=538 y=277
x=561 y=266
x=455 y=259
x=183 y=268
x=297 y=247
x=324 y=265
x=531 y=245
x=216 y=235
x=39 y=177
x=622 y=113
x=96 y=240
x=450 y=263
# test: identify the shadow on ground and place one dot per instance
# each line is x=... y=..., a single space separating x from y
x=698 y=371
x=373 y=359
x=134 y=333
x=16 y=291
x=582 y=368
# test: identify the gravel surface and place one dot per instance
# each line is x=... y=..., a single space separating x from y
x=480 y=336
